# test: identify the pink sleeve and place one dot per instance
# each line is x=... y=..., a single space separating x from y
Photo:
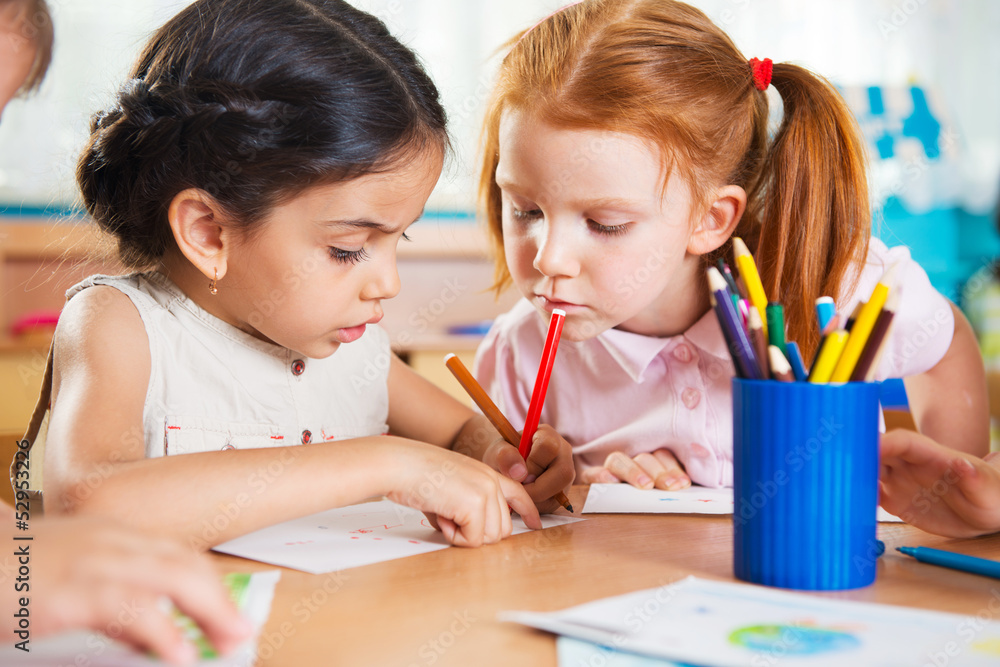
x=923 y=326
x=495 y=368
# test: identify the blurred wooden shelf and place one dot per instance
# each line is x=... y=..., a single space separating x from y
x=38 y=237
x=42 y=238
x=40 y=258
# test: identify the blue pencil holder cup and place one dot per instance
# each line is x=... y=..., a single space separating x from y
x=805 y=480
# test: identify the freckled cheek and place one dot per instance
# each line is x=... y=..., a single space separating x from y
x=611 y=277
x=520 y=253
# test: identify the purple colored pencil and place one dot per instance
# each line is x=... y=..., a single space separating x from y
x=740 y=347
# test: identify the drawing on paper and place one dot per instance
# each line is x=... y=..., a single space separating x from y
x=793 y=639
x=988 y=647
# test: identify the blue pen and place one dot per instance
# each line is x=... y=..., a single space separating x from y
x=825 y=310
x=795 y=359
x=983 y=566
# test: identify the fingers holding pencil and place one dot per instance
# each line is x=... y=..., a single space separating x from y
x=504 y=457
x=546 y=472
x=550 y=468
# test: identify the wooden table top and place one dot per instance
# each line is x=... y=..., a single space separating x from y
x=440 y=608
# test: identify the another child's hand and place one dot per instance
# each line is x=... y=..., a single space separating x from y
x=937 y=488
x=548 y=470
x=465 y=499
x=92 y=574
x=657 y=470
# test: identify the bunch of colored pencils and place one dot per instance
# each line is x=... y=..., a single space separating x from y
x=755 y=328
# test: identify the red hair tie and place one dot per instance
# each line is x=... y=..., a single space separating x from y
x=761 y=72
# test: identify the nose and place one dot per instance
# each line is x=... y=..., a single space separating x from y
x=556 y=254
x=383 y=280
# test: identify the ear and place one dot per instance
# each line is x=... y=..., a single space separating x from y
x=198 y=224
x=719 y=221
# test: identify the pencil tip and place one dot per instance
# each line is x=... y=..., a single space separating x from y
x=715 y=280
x=569 y=507
x=739 y=247
x=889 y=275
x=779 y=364
x=892 y=301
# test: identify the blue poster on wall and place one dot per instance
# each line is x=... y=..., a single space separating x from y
x=913 y=148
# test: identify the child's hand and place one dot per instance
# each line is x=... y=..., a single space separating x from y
x=548 y=470
x=656 y=470
x=937 y=488
x=465 y=499
x=88 y=573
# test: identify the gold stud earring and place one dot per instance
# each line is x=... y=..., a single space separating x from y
x=211 y=285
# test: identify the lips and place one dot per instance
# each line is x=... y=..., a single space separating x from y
x=550 y=302
x=351 y=334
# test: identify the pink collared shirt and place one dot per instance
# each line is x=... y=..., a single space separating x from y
x=631 y=393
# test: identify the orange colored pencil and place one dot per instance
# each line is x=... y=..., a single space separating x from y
x=482 y=399
x=490 y=409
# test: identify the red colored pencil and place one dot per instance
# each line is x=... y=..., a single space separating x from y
x=542 y=381
x=490 y=409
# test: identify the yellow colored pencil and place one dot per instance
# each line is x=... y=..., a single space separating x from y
x=751 y=279
x=863 y=327
x=829 y=354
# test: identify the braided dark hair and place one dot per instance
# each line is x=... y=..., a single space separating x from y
x=252 y=101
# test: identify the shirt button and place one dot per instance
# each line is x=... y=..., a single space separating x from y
x=690 y=397
x=298 y=367
x=307 y=436
x=682 y=353
x=228 y=446
x=700 y=451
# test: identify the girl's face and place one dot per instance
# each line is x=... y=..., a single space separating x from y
x=17 y=54
x=315 y=273
x=589 y=228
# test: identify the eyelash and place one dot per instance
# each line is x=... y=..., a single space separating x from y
x=348 y=256
x=526 y=215
x=354 y=256
x=609 y=230
x=603 y=230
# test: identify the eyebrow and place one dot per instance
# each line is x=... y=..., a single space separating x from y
x=617 y=203
x=369 y=224
x=612 y=202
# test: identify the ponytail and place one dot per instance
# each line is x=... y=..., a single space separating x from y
x=808 y=219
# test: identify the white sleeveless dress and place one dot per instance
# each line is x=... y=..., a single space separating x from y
x=213 y=386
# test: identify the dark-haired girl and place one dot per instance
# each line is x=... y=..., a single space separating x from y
x=257 y=171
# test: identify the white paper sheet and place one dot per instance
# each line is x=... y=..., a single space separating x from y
x=626 y=499
x=577 y=653
x=720 y=624
x=351 y=536
x=94 y=650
